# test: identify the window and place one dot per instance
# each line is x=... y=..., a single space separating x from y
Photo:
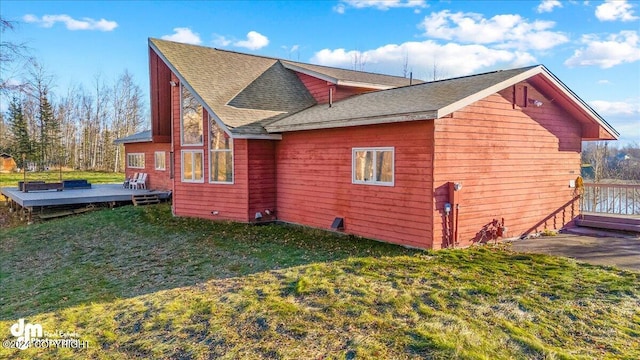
x=191 y=119
x=135 y=160
x=221 y=155
x=373 y=166
x=160 y=160
x=192 y=164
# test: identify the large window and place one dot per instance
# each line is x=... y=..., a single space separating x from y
x=192 y=166
x=373 y=166
x=221 y=155
x=191 y=121
x=135 y=160
x=160 y=160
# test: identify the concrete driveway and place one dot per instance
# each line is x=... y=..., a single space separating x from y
x=623 y=252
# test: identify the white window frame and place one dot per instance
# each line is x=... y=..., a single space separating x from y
x=375 y=164
x=164 y=160
x=182 y=88
x=136 y=166
x=212 y=122
x=192 y=180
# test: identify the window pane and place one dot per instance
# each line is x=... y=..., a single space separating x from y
x=219 y=139
x=384 y=166
x=191 y=119
x=187 y=165
x=198 y=166
x=221 y=166
x=160 y=160
x=364 y=166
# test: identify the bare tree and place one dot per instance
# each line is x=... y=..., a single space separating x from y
x=359 y=61
x=12 y=54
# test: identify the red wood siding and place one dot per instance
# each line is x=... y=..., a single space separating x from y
x=230 y=201
x=513 y=163
x=160 y=91
x=319 y=89
x=314 y=182
x=262 y=178
x=156 y=179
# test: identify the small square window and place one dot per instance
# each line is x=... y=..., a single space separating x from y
x=373 y=166
x=192 y=166
x=135 y=160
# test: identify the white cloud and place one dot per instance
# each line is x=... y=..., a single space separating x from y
x=340 y=8
x=604 y=82
x=506 y=31
x=183 y=35
x=548 y=5
x=378 y=4
x=70 y=23
x=615 y=108
x=254 y=41
x=613 y=10
x=220 y=40
x=423 y=57
x=617 y=49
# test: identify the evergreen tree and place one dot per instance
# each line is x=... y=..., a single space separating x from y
x=19 y=129
x=47 y=125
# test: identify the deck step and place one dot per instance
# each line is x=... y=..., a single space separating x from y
x=621 y=223
x=145 y=199
x=618 y=219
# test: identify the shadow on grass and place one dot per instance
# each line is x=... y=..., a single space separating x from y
x=130 y=251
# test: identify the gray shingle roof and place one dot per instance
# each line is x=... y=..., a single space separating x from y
x=423 y=101
x=143 y=136
x=247 y=91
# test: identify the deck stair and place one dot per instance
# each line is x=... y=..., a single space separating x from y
x=145 y=199
x=611 y=222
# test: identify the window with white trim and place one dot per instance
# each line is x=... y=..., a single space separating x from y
x=160 y=160
x=191 y=119
x=220 y=155
x=135 y=160
x=192 y=165
x=373 y=166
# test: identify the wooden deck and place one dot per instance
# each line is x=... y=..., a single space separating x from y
x=104 y=193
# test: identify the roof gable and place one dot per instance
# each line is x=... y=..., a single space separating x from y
x=432 y=100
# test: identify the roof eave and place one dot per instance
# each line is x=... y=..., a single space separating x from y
x=124 y=141
x=581 y=104
x=374 y=120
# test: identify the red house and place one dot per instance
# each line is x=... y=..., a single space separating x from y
x=428 y=165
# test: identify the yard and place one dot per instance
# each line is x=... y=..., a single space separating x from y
x=136 y=282
x=94 y=177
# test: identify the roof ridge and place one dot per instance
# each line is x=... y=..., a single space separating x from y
x=339 y=68
x=480 y=74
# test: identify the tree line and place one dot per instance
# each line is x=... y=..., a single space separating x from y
x=43 y=129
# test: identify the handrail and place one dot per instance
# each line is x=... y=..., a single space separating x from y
x=620 y=199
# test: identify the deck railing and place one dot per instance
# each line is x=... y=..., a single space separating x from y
x=623 y=199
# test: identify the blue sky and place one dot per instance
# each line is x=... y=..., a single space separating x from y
x=592 y=46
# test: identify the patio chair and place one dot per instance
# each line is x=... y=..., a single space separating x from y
x=128 y=181
x=140 y=183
